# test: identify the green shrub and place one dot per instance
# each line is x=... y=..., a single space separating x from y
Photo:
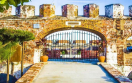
x=79 y=52
x=63 y=52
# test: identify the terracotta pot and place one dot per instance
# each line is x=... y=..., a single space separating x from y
x=101 y=58
x=44 y=58
x=41 y=58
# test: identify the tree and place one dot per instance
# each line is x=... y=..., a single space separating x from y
x=5 y=51
x=9 y=38
x=4 y=4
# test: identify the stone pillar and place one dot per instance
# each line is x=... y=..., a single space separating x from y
x=120 y=55
x=6 y=12
x=111 y=57
x=114 y=11
x=130 y=10
x=46 y=10
x=25 y=11
x=69 y=11
x=91 y=10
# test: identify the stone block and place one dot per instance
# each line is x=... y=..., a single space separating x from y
x=6 y=12
x=91 y=10
x=70 y=11
x=25 y=11
x=46 y=10
x=130 y=10
x=114 y=11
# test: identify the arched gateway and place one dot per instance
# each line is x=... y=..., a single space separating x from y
x=113 y=28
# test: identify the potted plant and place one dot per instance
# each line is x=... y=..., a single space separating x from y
x=79 y=51
x=63 y=52
x=44 y=58
x=101 y=56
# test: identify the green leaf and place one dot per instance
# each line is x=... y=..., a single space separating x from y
x=11 y=2
x=7 y=6
x=25 y=0
x=21 y=2
x=2 y=1
x=2 y=9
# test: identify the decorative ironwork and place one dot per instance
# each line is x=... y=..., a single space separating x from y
x=72 y=44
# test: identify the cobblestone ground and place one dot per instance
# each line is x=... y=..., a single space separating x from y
x=73 y=72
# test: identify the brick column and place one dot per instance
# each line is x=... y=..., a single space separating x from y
x=114 y=11
x=25 y=11
x=91 y=10
x=69 y=11
x=46 y=10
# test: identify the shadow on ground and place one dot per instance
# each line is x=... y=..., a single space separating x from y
x=3 y=78
x=108 y=77
x=90 y=61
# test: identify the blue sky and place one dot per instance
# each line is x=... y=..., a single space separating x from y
x=79 y=3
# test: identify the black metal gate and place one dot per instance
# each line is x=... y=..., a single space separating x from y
x=72 y=45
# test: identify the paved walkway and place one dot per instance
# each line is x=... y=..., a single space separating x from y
x=73 y=72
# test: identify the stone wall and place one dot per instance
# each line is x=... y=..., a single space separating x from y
x=70 y=11
x=113 y=35
x=130 y=10
x=24 y=25
x=25 y=11
x=91 y=10
x=6 y=12
x=114 y=11
x=47 y=10
x=114 y=31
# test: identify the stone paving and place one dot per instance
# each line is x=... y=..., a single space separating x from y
x=115 y=73
x=73 y=72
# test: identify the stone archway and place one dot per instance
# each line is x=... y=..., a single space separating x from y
x=96 y=26
x=95 y=54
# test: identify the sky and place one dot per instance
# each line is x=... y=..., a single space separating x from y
x=73 y=35
x=79 y=3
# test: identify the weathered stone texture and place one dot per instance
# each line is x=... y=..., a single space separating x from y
x=116 y=73
x=25 y=11
x=130 y=10
x=91 y=10
x=114 y=11
x=47 y=10
x=114 y=37
x=6 y=12
x=30 y=75
x=70 y=11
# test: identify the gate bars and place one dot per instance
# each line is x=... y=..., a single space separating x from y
x=72 y=45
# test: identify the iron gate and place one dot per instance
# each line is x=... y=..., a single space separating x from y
x=72 y=44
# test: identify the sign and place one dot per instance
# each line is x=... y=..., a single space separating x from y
x=73 y=23
x=35 y=25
